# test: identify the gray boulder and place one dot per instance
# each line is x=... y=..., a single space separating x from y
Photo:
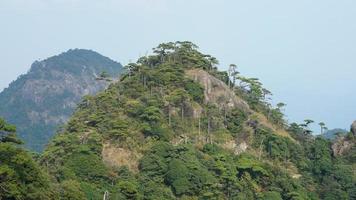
x=353 y=128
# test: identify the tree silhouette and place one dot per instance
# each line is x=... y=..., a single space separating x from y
x=322 y=127
x=233 y=73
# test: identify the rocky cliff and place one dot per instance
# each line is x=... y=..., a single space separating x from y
x=345 y=143
x=353 y=128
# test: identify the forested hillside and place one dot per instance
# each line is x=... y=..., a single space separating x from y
x=20 y=176
x=45 y=97
x=176 y=127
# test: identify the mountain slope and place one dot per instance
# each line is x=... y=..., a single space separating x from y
x=44 y=98
x=173 y=127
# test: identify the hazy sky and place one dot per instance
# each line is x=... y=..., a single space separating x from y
x=304 y=51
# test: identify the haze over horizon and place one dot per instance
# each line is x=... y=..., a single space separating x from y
x=302 y=51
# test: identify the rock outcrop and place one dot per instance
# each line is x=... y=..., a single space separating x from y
x=345 y=143
x=341 y=146
x=218 y=93
x=353 y=128
x=215 y=91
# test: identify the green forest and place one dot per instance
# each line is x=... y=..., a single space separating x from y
x=175 y=127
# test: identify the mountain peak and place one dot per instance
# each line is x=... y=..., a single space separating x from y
x=75 y=60
x=46 y=96
x=80 y=53
x=171 y=117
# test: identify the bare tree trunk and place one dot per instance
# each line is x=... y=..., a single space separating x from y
x=106 y=195
x=182 y=109
x=199 y=126
x=259 y=156
x=169 y=114
x=209 y=134
x=144 y=81
x=225 y=116
x=208 y=126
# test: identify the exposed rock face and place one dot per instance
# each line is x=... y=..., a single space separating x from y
x=215 y=91
x=341 y=146
x=117 y=157
x=235 y=147
x=353 y=128
x=345 y=143
x=39 y=101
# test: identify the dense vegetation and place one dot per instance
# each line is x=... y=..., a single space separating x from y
x=45 y=97
x=159 y=134
x=20 y=176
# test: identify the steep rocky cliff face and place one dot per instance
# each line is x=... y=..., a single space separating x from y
x=44 y=98
x=342 y=145
x=216 y=91
x=345 y=144
x=353 y=128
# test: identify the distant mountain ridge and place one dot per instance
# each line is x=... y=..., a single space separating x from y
x=44 y=98
x=331 y=134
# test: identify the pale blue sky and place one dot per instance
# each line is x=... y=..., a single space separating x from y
x=304 y=51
